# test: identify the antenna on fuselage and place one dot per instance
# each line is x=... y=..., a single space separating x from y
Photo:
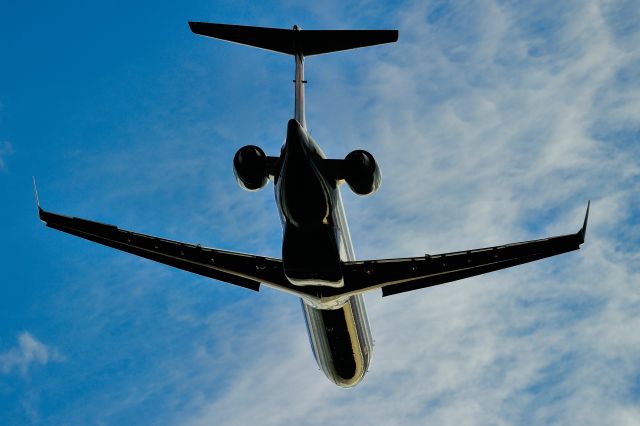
x=296 y=42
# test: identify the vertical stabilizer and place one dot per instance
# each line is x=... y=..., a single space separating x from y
x=296 y=42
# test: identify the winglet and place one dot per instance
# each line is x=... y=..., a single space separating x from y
x=583 y=231
x=35 y=191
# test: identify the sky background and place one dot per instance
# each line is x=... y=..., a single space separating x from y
x=492 y=122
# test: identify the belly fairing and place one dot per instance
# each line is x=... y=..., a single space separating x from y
x=311 y=255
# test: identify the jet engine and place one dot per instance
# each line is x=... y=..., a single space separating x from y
x=361 y=172
x=250 y=168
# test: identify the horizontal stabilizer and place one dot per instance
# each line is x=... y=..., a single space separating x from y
x=295 y=41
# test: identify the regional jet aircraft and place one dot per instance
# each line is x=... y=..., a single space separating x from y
x=318 y=263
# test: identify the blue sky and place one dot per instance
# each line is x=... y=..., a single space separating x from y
x=492 y=122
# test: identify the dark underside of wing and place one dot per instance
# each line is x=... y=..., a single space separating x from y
x=249 y=271
x=401 y=275
x=244 y=270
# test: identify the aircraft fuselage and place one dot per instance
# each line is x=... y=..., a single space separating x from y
x=315 y=241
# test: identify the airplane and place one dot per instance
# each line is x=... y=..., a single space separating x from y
x=318 y=262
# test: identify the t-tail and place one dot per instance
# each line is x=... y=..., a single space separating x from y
x=296 y=42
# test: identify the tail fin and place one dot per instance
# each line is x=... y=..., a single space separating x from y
x=295 y=41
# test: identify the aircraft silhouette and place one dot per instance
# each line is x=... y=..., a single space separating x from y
x=318 y=262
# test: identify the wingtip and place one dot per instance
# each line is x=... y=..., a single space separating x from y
x=193 y=25
x=35 y=192
x=196 y=27
x=583 y=230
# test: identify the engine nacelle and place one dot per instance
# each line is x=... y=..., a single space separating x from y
x=250 y=168
x=361 y=172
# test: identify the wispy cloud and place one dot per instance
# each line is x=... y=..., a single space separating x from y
x=6 y=149
x=28 y=353
x=492 y=123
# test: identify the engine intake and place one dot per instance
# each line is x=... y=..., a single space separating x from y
x=250 y=168
x=361 y=172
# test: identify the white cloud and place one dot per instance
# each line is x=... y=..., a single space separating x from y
x=494 y=125
x=29 y=352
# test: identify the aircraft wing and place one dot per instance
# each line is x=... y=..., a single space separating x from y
x=243 y=270
x=249 y=271
x=395 y=276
